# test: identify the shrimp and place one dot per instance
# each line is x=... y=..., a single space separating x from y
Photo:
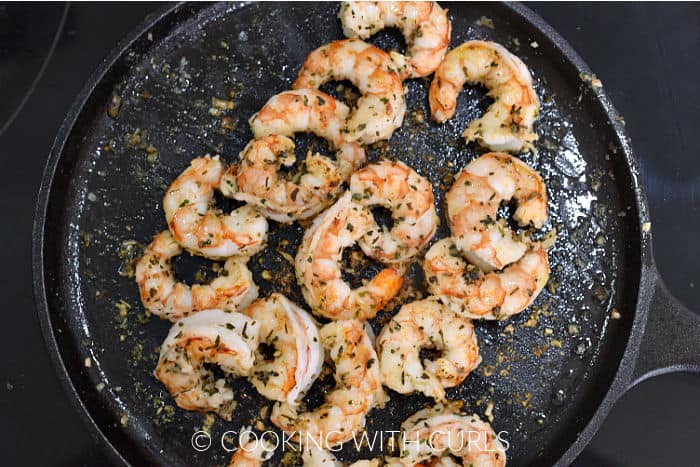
x=318 y=265
x=424 y=25
x=256 y=180
x=494 y=295
x=202 y=229
x=358 y=389
x=426 y=324
x=442 y=431
x=164 y=296
x=226 y=339
x=314 y=456
x=381 y=108
x=409 y=196
x=310 y=110
x=508 y=124
x=252 y=451
x=473 y=202
x=298 y=355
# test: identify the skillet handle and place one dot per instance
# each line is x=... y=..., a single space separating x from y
x=671 y=340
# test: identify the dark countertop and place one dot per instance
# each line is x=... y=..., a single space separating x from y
x=647 y=57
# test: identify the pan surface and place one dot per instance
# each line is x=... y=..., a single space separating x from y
x=545 y=372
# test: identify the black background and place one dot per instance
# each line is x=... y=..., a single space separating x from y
x=648 y=57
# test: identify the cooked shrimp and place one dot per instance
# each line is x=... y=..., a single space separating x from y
x=473 y=202
x=298 y=355
x=381 y=108
x=358 y=389
x=314 y=456
x=202 y=229
x=397 y=187
x=164 y=296
x=494 y=295
x=226 y=339
x=426 y=324
x=256 y=180
x=318 y=265
x=442 y=431
x=310 y=110
x=424 y=25
x=252 y=451
x=508 y=124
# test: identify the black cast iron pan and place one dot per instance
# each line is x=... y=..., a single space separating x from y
x=551 y=376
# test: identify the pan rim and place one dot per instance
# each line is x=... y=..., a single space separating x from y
x=39 y=228
x=625 y=366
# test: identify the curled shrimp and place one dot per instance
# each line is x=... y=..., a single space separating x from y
x=310 y=110
x=164 y=296
x=252 y=451
x=314 y=456
x=318 y=265
x=424 y=25
x=494 y=295
x=202 y=229
x=473 y=202
x=442 y=431
x=426 y=324
x=298 y=355
x=225 y=339
x=381 y=108
x=508 y=124
x=397 y=187
x=358 y=389
x=257 y=181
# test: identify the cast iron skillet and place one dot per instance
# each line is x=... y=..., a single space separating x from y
x=552 y=375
